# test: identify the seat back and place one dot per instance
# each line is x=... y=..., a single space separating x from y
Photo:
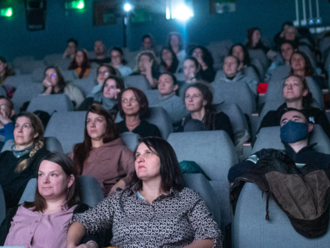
x=153 y=97
x=214 y=152
x=85 y=85
x=17 y=80
x=250 y=228
x=280 y=73
x=90 y=191
x=67 y=127
x=25 y=92
x=29 y=66
x=68 y=75
x=237 y=119
x=51 y=103
x=200 y=184
x=269 y=137
x=131 y=140
x=236 y=92
x=138 y=81
x=51 y=144
x=38 y=74
x=261 y=70
x=159 y=117
x=260 y=55
x=2 y=205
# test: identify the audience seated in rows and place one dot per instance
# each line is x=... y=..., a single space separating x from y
x=80 y=64
x=99 y=53
x=239 y=51
x=286 y=49
x=158 y=182
x=231 y=73
x=4 y=70
x=56 y=199
x=71 y=49
x=103 y=71
x=254 y=41
x=20 y=164
x=54 y=83
x=6 y=123
x=203 y=116
x=297 y=96
x=147 y=65
x=168 y=61
x=167 y=86
x=205 y=61
x=133 y=108
x=118 y=61
x=107 y=97
x=103 y=154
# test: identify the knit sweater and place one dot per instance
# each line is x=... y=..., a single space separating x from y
x=109 y=163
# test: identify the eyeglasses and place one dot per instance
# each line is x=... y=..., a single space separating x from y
x=51 y=75
x=105 y=73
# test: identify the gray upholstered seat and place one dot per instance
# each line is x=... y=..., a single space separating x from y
x=2 y=205
x=51 y=103
x=260 y=68
x=269 y=137
x=85 y=85
x=200 y=184
x=28 y=66
x=251 y=229
x=214 y=152
x=238 y=93
x=67 y=127
x=51 y=143
x=38 y=74
x=261 y=56
x=153 y=97
x=25 y=92
x=237 y=119
x=90 y=189
x=68 y=75
x=130 y=139
x=17 y=80
x=159 y=117
x=280 y=73
x=138 y=81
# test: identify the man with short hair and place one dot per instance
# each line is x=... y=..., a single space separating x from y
x=231 y=73
x=99 y=52
x=6 y=124
x=294 y=133
x=71 y=48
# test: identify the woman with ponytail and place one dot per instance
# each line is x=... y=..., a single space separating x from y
x=20 y=164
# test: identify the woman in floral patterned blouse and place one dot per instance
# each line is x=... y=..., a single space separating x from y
x=155 y=211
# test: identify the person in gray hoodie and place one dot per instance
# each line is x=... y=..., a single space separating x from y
x=230 y=73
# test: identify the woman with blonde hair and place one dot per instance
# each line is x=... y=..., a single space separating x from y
x=20 y=163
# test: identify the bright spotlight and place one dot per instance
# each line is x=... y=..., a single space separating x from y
x=127 y=7
x=183 y=12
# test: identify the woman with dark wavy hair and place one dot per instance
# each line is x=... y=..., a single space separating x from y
x=56 y=200
x=205 y=61
x=81 y=64
x=103 y=154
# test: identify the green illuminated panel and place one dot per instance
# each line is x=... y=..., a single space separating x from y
x=8 y=12
x=75 y=4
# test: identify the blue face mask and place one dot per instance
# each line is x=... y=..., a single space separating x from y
x=293 y=131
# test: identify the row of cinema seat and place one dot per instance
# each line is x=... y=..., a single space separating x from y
x=215 y=153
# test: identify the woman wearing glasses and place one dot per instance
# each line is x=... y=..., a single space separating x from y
x=54 y=83
x=103 y=72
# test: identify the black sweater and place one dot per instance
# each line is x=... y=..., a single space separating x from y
x=145 y=129
x=315 y=115
x=13 y=183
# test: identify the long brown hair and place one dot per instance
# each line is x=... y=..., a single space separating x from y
x=60 y=79
x=38 y=143
x=81 y=150
x=85 y=64
x=39 y=204
x=309 y=70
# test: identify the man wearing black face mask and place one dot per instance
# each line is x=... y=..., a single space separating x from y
x=294 y=135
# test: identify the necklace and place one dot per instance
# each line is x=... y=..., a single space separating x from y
x=131 y=127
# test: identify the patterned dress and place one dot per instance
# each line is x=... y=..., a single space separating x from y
x=173 y=220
